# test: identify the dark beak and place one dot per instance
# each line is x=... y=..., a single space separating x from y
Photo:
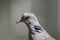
x=21 y=20
x=18 y=21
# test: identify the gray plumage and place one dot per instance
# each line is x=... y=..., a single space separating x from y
x=36 y=31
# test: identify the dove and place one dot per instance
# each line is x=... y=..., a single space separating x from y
x=36 y=31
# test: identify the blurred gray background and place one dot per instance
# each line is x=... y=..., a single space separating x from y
x=47 y=12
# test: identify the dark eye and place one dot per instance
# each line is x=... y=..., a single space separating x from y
x=27 y=17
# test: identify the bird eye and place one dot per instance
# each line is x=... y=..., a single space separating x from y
x=27 y=17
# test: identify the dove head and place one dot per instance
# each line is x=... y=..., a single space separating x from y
x=28 y=18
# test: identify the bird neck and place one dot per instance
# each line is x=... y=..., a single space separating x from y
x=34 y=27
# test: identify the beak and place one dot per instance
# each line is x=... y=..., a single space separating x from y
x=18 y=21
x=21 y=20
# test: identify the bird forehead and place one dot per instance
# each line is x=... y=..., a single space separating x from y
x=28 y=14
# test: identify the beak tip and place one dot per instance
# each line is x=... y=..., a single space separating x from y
x=18 y=22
